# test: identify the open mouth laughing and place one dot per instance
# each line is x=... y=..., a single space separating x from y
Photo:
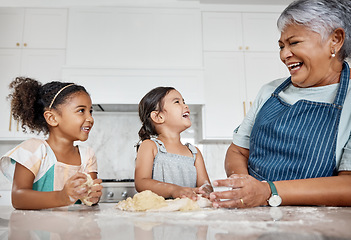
x=294 y=66
x=86 y=129
x=186 y=115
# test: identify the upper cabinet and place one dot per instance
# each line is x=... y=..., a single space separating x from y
x=132 y=50
x=11 y=27
x=240 y=55
x=33 y=41
x=135 y=37
x=32 y=44
x=222 y=31
x=233 y=31
x=33 y=28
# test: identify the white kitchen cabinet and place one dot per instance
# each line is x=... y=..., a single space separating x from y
x=33 y=28
x=261 y=68
x=224 y=94
x=222 y=31
x=43 y=65
x=128 y=86
x=32 y=44
x=118 y=37
x=132 y=50
x=235 y=31
x=9 y=67
x=240 y=55
x=11 y=27
x=260 y=32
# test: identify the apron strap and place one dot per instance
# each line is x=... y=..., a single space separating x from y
x=342 y=90
x=344 y=84
x=281 y=87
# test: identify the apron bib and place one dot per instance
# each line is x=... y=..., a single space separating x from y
x=296 y=141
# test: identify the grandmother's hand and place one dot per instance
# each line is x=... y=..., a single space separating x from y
x=245 y=191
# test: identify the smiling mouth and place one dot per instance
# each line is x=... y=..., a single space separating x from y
x=294 y=66
x=186 y=115
x=86 y=129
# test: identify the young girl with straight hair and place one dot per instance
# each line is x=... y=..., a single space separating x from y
x=163 y=164
x=50 y=173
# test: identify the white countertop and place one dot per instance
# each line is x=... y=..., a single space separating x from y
x=106 y=222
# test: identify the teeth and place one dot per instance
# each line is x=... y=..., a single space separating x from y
x=186 y=115
x=293 y=65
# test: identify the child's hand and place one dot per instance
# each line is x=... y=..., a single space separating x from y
x=205 y=190
x=95 y=194
x=181 y=192
x=73 y=189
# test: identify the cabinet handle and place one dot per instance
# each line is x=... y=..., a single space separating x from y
x=10 y=122
x=25 y=44
x=244 y=108
x=17 y=44
x=240 y=48
x=250 y=104
x=247 y=48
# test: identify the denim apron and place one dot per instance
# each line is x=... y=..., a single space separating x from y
x=296 y=141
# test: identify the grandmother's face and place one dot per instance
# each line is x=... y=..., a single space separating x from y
x=306 y=56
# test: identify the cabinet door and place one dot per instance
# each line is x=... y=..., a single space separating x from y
x=222 y=31
x=11 y=27
x=45 y=28
x=134 y=38
x=262 y=68
x=224 y=94
x=9 y=68
x=43 y=65
x=33 y=28
x=260 y=32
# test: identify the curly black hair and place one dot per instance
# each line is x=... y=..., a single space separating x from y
x=30 y=99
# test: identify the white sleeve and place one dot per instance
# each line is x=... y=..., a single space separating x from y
x=345 y=162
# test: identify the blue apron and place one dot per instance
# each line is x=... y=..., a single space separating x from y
x=296 y=141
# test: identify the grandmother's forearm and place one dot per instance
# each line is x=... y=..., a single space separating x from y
x=236 y=160
x=326 y=191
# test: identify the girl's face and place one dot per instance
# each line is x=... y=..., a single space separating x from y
x=175 y=111
x=307 y=57
x=75 y=119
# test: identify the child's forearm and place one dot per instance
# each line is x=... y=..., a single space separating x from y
x=28 y=199
x=160 y=188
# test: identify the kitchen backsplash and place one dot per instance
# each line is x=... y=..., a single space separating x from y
x=114 y=137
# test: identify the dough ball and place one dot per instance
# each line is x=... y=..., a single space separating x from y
x=142 y=201
x=89 y=183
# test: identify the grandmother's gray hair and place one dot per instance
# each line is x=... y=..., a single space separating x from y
x=320 y=16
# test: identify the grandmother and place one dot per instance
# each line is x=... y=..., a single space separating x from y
x=294 y=145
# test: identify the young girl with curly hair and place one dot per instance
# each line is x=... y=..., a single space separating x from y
x=53 y=172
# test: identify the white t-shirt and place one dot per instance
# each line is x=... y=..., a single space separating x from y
x=292 y=94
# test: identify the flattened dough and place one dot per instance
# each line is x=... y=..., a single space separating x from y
x=151 y=202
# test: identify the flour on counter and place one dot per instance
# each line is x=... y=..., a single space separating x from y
x=151 y=202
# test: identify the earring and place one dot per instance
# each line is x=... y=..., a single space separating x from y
x=333 y=54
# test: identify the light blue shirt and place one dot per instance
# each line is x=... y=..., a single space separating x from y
x=292 y=94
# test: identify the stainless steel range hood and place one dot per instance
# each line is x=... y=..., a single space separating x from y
x=194 y=108
x=115 y=107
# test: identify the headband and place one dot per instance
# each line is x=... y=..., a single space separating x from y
x=53 y=100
